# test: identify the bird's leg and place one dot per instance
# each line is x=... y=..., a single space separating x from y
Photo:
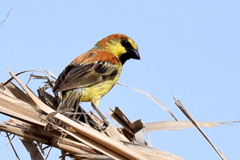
x=100 y=114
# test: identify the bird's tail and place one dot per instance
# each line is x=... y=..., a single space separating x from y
x=70 y=101
x=68 y=107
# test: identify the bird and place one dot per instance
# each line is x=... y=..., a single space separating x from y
x=94 y=73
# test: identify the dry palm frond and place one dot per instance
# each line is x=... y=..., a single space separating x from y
x=85 y=138
x=185 y=112
x=179 y=125
x=82 y=140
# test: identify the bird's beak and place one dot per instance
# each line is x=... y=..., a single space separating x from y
x=134 y=54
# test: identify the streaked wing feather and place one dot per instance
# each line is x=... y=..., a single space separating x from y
x=85 y=75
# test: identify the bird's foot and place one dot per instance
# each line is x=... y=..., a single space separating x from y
x=50 y=118
x=105 y=123
x=50 y=115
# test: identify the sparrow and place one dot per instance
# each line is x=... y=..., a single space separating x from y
x=93 y=74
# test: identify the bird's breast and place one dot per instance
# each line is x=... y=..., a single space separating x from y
x=99 y=90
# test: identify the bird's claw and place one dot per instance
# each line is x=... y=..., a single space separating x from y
x=50 y=115
x=106 y=123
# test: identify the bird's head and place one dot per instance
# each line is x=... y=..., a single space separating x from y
x=121 y=46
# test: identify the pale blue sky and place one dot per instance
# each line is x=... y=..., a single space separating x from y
x=188 y=48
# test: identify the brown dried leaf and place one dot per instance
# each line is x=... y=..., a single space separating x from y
x=18 y=93
x=91 y=157
x=125 y=122
x=112 y=132
x=132 y=131
x=89 y=136
x=35 y=70
x=153 y=153
x=32 y=149
x=47 y=98
x=19 y=109
x=38 y=134
x=10 y=142
x=185 y=112
x=178 y=125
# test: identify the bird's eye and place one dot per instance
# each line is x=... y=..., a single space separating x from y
x=126 y=44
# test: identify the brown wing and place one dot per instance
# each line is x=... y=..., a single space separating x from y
x=92 y=70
